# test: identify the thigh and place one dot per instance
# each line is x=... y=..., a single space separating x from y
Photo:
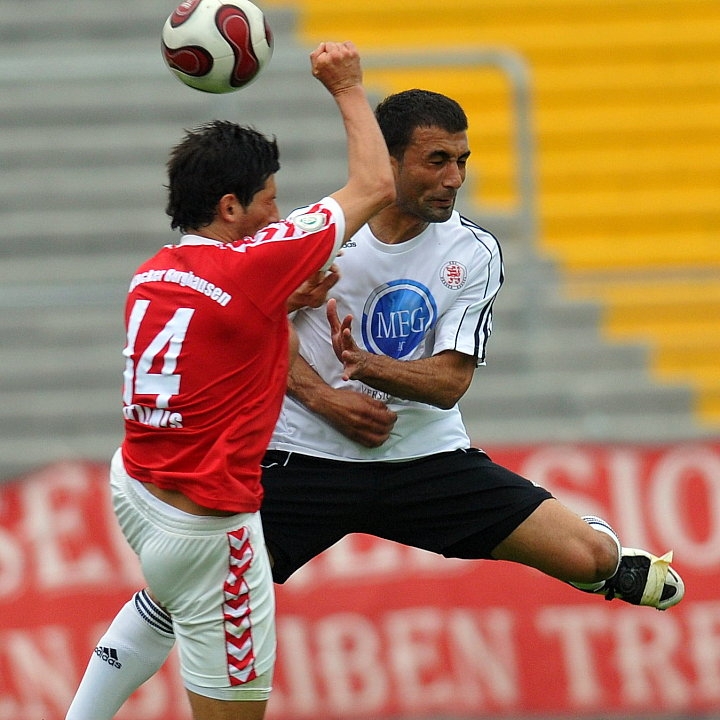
x=217 y=587
x=213 y=576
x=556 y=541
x=308 y=505
x=458 y=504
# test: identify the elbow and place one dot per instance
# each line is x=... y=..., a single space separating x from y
x=447 y=399
x=447 y=402
x=450 y=395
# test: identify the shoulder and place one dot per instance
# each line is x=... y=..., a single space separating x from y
x=465 y=234
x=478 y=234
x=316 y=216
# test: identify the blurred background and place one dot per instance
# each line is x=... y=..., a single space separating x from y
x=596 y=161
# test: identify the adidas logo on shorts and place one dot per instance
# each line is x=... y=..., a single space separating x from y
x=108 y=655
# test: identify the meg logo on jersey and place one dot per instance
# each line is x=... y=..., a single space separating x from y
x=396 y=318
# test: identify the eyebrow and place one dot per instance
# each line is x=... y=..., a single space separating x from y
x=446 y=155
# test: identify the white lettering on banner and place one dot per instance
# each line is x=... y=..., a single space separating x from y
x=475 y=643
x=416 y=640
x=419 y=658
x=647 y=648
x=704 y=621
x=53 y=512
x=52 y=546
x=43 y=679
x=576 y=628
x=646 y=655
x=643 y=503
x=674 y=469
x=573 y=465
x=350 y=665
x=349 y=656
x=11 y=562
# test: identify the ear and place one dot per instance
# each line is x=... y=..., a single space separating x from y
x=229 y=208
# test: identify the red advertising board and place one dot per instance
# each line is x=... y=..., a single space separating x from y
x=373 y=630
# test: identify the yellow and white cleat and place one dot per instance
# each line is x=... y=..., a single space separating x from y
x=644 y=579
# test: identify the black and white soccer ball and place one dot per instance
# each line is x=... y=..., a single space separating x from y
x=217 y=46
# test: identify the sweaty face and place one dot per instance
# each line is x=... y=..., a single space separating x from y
x=262 y=210
x=431 y=172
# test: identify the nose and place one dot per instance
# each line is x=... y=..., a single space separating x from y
x=455 y=176
x=274 y=214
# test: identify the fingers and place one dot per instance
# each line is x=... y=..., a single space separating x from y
x=336 y=65
x=345 y=329
x=365 y=420
x=332 y=316
x=327 y=282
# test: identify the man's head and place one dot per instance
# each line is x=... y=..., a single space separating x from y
x=217 y=159
x=426 y=135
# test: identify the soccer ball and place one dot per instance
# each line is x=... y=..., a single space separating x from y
x=216 y=46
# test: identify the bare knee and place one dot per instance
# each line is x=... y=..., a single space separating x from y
x=604 y=553
x=559 y=543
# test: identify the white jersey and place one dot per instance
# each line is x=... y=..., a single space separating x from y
x=408 y=301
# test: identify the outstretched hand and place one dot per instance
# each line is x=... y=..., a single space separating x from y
x=344 y=345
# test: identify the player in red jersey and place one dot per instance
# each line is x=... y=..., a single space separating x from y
x=205 y=375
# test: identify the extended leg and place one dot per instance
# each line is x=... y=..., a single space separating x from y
x=587 y=553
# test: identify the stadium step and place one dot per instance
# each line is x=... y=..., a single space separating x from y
x=89 y=111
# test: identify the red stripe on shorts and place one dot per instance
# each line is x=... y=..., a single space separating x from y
x=236 y=610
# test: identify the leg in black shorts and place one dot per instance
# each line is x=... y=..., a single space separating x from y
x=458 y=504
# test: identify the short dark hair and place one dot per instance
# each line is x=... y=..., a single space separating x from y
x=398 y=115
x=212 y=160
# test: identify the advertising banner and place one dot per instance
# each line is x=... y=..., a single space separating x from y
x=372 y=630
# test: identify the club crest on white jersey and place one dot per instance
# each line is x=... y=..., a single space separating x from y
x=397 y=316
x=453 y=275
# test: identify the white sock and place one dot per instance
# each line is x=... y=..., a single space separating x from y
x=601 y=526
x=132 y=650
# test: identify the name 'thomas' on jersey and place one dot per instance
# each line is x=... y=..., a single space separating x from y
x=206 y=357
x=409 y=301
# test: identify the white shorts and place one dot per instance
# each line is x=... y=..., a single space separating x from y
x=212 y=575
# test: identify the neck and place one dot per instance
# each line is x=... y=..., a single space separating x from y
x=214 y=231
x=392 y=226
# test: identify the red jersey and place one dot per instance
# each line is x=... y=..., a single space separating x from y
x=207 y=355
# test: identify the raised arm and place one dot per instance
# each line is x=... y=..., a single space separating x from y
x=370 y=186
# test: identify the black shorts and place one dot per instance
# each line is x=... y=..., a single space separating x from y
x=457 y=504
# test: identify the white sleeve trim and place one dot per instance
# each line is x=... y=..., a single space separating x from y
x=339 y=217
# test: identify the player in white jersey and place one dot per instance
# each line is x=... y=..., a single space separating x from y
x=370 y=438
x=416 y=290
x=441 y=301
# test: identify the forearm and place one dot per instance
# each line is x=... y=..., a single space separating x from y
x=369 y=171
x=370 y=186
x=360 y=418
x=440 y=380
x=309 y=389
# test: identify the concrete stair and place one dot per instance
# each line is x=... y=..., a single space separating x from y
x=88 y=115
